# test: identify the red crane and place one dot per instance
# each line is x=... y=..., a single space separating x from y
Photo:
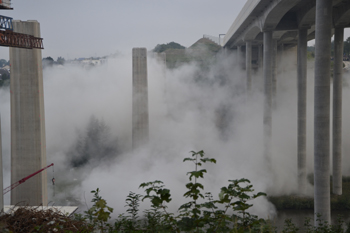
x=14 y=185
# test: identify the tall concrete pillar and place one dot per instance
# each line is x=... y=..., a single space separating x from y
x=282 y=50
x=248 y=66
x=302 y=74
x=274 y=73
x=28 y=143
x=140 y=122
x=323 y=35
x=282 y=56
x=161 y=58
x=268 y=56
x=337 y=110
x=1 y=173
x=239 y=56
x=260 y=57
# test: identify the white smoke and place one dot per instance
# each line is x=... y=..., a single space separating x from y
x=187 y=112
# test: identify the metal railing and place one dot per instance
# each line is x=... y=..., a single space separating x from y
x=19 y=40
x=6 y=23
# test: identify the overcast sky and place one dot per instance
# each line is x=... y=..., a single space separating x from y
x=85 y=28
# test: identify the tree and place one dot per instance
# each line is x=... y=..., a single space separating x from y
x=48 y=61
x=93 y=145
x=3 y=62
x=162 y=47
x=61 y=60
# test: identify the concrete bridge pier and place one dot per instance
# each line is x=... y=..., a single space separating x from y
x=281 y=57
x=140 y=118
x=28 y=143
x=260 y=57
x=274 y=73
x=323 y=35
x=337 y=110
x=302 y=74
x=267 y=72
x=239 y=56
x=248 y=66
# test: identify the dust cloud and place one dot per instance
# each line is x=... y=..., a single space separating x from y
x=191 y=108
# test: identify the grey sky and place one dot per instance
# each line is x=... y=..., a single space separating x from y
x=85 y=28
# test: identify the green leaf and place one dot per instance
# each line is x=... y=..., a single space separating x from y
x=204 y=160
x=259 y=194
x=188 y=159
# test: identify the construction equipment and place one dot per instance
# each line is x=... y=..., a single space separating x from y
x=8 y=38
x=14 y=185
x=12 y=39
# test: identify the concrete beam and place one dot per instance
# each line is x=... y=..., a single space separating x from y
x=322 y=109
x=275 y=12
x=341 y=14
x=28 y=143
x=252 y=33
x=241 y=20
x=306 y=15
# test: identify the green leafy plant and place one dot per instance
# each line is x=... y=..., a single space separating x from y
x=202 y=213
x=158 y=218
x=129 y=223
x=99 y=213
x=191 y=213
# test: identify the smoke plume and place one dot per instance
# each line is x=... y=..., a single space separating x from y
x=191 y=108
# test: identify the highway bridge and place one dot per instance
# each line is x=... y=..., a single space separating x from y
x=264 y=28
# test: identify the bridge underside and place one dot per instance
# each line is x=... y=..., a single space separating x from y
x=284 y=18
x=273 y=26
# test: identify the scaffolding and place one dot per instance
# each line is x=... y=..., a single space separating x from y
x=8 y=38
x=6 y=23
x=20 y=40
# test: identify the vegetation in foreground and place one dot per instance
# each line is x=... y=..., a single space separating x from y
x=202 y=213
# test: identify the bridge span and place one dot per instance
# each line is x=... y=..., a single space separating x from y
x=265 y=27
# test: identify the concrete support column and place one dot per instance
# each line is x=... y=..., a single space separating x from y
x=260 y=57
x=140 y=122
x=282 y=50
x=267 y=72
x=282 y=57
x=274 y=73
x=337 y=110
x=323 y=35
x=161 y=58
x=28 y=143
x=302 y=74
x=248 y=66
x=239 y=56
